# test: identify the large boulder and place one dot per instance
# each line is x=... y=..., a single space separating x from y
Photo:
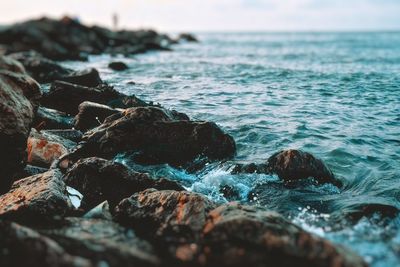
x=103 y=242
x=99 y=179
x=173 y=220
x=91 y=115
x=67 y=97
x=154 y=136
x=36 y=199
x=236 y=235
x=22 y=246
x=18 y=98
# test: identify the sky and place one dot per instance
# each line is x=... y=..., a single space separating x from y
x=217 y=15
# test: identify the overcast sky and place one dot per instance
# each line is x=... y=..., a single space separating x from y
x=218 y=15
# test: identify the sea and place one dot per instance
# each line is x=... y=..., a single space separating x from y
x=335 y=95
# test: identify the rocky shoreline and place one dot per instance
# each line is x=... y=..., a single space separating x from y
x=65 y=202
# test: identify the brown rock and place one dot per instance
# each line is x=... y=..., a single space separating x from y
x=36 y=199
x=91 y=115
x=52 y=119
x=237 y=235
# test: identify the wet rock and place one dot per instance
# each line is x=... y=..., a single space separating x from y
x=172 y=219
x=118 y=66
x=88 y=77
x=295 y=164
x=91 y=115
x=36 y=199
x=67 y=97
x=69 y=134
x=67 y=39
x=354 y=212
x=103 y=242
x=187 y=37
x=236 y=235
x=22 y=246
x=101 y=211
x=45 y=147
x=18 y=94
x=52 y=119
x=250 y=168
x=156 y=137
x=29 y=170
x=124 y=102
x=99 y=180
x=229 y=192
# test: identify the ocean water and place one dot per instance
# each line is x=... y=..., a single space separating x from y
x=336 y=95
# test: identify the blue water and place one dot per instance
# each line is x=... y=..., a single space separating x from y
x=336 y=95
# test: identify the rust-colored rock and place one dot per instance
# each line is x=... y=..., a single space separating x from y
x=36 y=198
x=237 y=235
x=99 y=179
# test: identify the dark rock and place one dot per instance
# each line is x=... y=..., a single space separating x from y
x=88 y=77
x=118 y=66
x=229 y=192
x=67 y=97
x=125 y=102
x=103 y=243
x=173 y=220
x=36 y=199
x=29 y=170
x=91 y=115
x=237 y=235
x=250 y=168
x=295 y=165
x=354 y=212
x=21 y=246
x=99 y=179
x=18 y=95
x=45 y=147
x=187 y=37
x=69 y=134
x=156 y=138
x=52 y=119
x=67 y=39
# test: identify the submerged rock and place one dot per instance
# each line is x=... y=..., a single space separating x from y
x=103 y=242
x=67 y=97
x=45 y=147
x=156 y=137
x=187 y=37
x=36 y=199
x=236 y=235
x=18 y=94
x=99 y=180
x=22 y=246
x=118 y=66
x=52 y=119
x=91 y=115
x=172 y=219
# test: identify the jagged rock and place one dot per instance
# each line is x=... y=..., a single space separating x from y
x=67 y=97
x=88 y=77
x=91 y=115
x=45 y=147
x=102 y=241
x=67 y=39
x=69 y=134
x=156 y=137
x=52 y=119
x=236 y=235
x=127 y=102
x=99 y=179
x=18 y=96
x=22 y=246
x=118 y=66
x=36 y=199
x=172 y=219
x=29 y=170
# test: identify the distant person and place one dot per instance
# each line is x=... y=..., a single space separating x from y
x=115 y=21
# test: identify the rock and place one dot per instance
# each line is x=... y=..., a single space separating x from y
x=44 y=148
x=172 y=219
x=69 y=134
x=36 y=199
x=236 y=235
x=52 y=119
x=89 y=77
x=9 y=64
x=103 y=242
x=101 y=211
x=353 y=212
x=67 y=97
x=229 y=192
x=18 y=96
x=295 y=165
x=125 y=102
x=29 y=170
x=250 y=168
x=22 y=246
x=91 y=115
x=187 y=37
x=67 y=39
x=118 y=66
x=99 y=180
x=155 y=137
